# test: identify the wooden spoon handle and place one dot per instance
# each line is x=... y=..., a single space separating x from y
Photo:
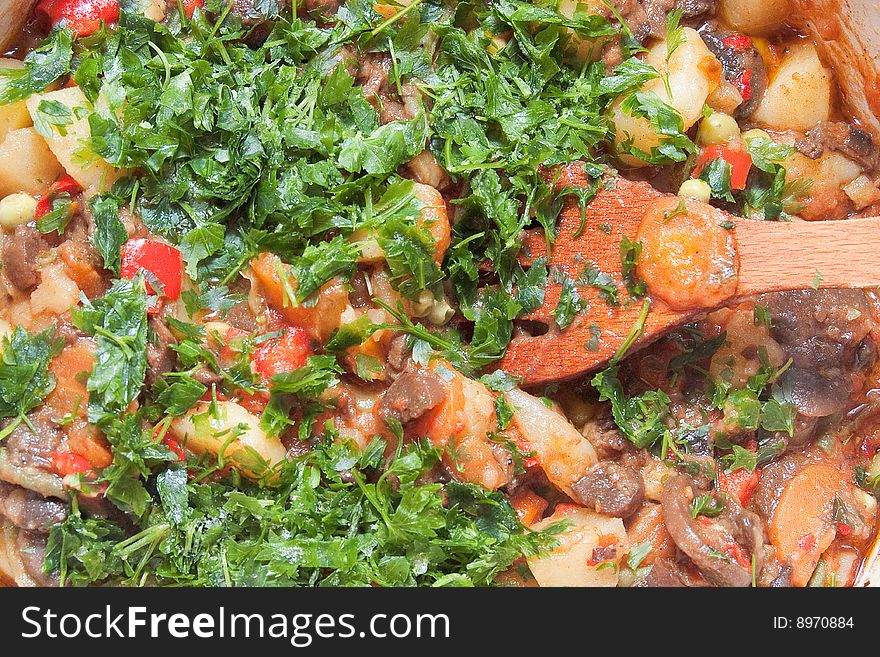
x=775 y=256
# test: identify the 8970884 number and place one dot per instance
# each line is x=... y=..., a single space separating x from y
x=823 y=622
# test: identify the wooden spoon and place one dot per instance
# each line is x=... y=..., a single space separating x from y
x=772 y=256
x=13 y=15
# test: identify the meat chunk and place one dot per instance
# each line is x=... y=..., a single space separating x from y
x=30 y=510
x=319 y=8
x=160 y=355
x=853 y=142
x=645 y=18
x=399 y=355
x=413 y=393
x=241 y=317
x=33 y=449
x=206 y=377
x=20 y=257
x=611 y=488
x=665 y=573
x=359 y=296
x=741 y=62
x=604 y=435
x=826 y=334
x=695 y=8
x=372 y=74
x=248 y=12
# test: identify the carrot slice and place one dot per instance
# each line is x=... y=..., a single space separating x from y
x=803 y=525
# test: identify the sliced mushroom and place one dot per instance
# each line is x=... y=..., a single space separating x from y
x=709 y=541
x=823 y=332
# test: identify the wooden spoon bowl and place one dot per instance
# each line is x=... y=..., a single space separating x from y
x=769 y=257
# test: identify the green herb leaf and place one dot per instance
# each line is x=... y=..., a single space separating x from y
x=118 y=321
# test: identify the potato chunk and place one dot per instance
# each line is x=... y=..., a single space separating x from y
x=72 y=149
x=586 y=549
x=26 y=163
x=754 y=16
x=14 y=115
x=231 y=431
x=799 y=94
x=692 y=72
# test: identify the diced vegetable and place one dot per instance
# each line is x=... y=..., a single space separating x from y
x=718 y=128
x=688 y=76
x=529 y=506
x=589 y=551
x=81 y=16
x=862 y=192
x=71 y=147
x=26 y=163
x=278 y=284
x=189 y=6
x=803 y=525
x=739 y=42
x=85 y=440
x=562 y=452
x=14 y=115
x=70 y=368
x=799 y=94
x=739 y=160
x=754 y=16
x=740 y=482
x=56 y=293
x=696 y=189
x=688 y=257
x=227 y=430
x=162 y=260
x=68 y=463
x=282 y=354
x=462 y=423
x=17 y=209
x=64 y=185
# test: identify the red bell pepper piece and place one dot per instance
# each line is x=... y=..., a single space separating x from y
x=232 y=345
x=255 y=402
x=162 y=260
x=740 y=483
x=161 y=434
x=68 y=463
x=739 y=42
x=175 y=447
x=189 y=6
x=81 y=16
x=64 y=185
x=739 y=160
x=282 y=354
x=743 y=83
x=735 y=552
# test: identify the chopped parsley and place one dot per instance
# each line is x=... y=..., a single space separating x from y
x=327 y=520
x=118 y=321
x=25 y=380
